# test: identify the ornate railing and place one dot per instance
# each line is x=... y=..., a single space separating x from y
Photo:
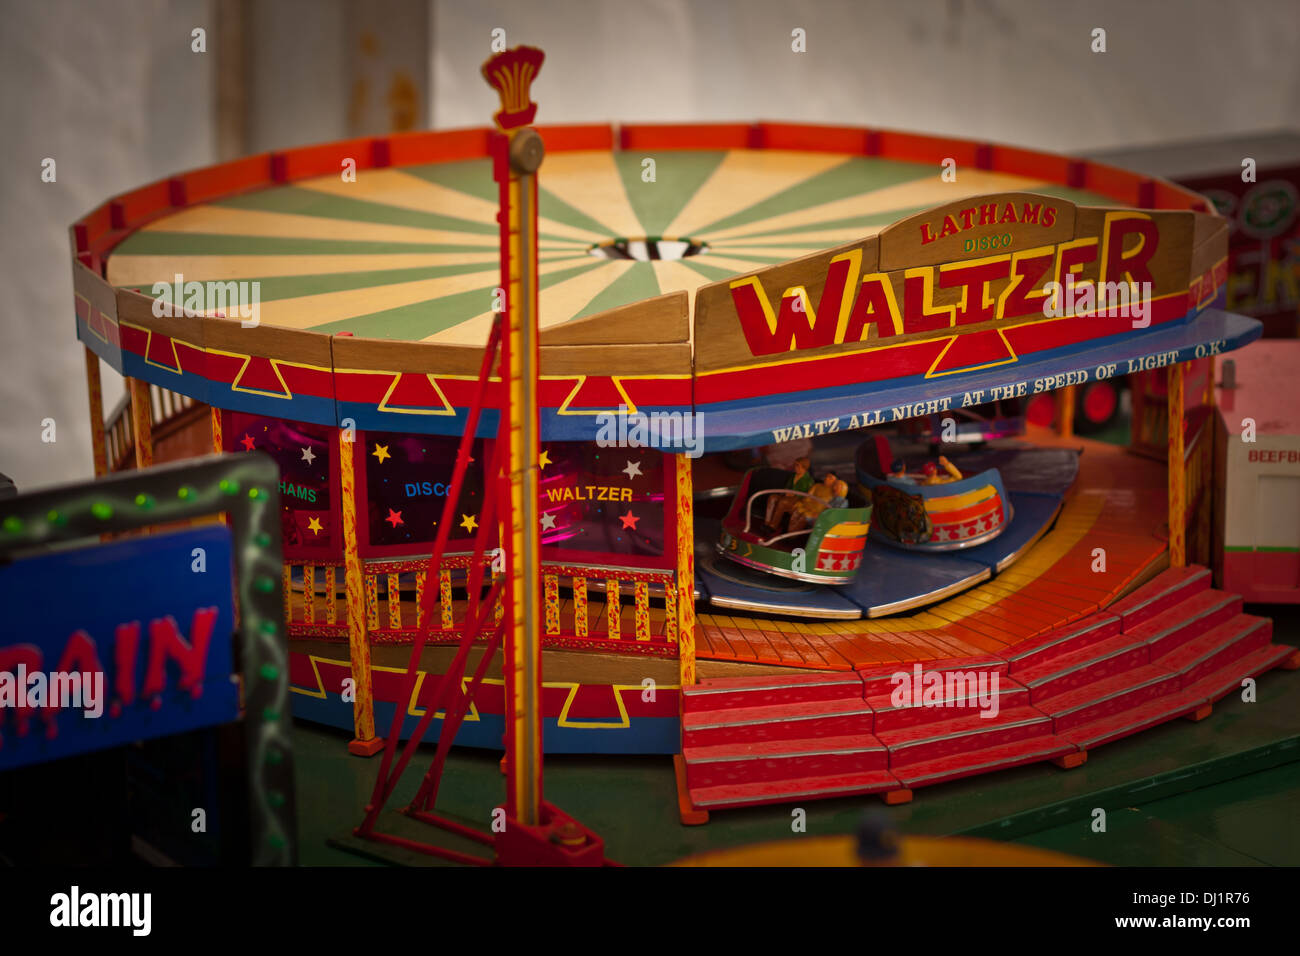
x=583 y=605
x=572 y=617
x=168 y=412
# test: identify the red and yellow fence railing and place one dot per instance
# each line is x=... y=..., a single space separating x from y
x=169 y=413
x=583 y=604
x=315 y=600
x=626 y=615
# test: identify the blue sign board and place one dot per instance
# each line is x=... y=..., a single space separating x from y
x=111 y=643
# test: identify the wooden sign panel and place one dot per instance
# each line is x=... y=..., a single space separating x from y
x=959 y=274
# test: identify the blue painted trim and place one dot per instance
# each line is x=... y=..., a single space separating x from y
x=301 y=408
x=369 y=418
x=645 y=735
x=187 y=383
x=749 y=423
x=585 y=427
x=110 y=353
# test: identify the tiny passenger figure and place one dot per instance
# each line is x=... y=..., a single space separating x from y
x=950 y=472
x=898 y=472
x=806 y=510
x=840 y=498
x=800 y=480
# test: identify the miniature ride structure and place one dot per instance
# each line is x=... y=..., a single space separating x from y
x=647 y=294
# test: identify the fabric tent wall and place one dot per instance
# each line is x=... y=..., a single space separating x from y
x=115 y=95
x=1012 y=71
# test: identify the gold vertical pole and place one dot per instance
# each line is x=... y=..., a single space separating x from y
x=525 y=639
x=1177 y=470
x=365 y=743
x=218 y=441
x=141 y=422
x=685 y=571
x=95 y=389
x=517 y=153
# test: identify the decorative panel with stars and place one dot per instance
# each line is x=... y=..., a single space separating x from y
x=309 y=479
x=402 y=486
x=599 y=502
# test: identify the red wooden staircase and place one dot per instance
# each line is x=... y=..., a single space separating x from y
x=1168 y=650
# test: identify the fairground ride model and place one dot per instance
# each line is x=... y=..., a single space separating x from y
x=648 y=293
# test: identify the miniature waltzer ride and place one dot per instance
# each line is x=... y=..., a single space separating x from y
x=732 y=286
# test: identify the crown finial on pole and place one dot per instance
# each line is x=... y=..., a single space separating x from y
x=511 y=73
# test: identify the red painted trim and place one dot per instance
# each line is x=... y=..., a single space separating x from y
x=667 y=561
x=325 y=159
x=93 y=227
x=227 y=179
x=143 y=203
x=1030 y=163
x=80 y=238
x=1113 y=182
x=561 y=139
x=686 y=136
x=1076 y=173
x=1167 y=195
x=821 y=139
x=1146 y=193
x=918 y=148
x=438 y=146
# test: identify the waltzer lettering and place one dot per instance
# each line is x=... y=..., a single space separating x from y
x=993 y=289
x=798 y=325
x=988 y=214
x=589 y=493
x=298 y=491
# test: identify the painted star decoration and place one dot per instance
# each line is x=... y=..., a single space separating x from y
x=629 y=520
x=394 y=518
x=468 y=522
x=633 y=469
x=544 y=459
x=308 y=455
x=381 y=452
x=247 y=442
x=548 y=522
x=314 y=526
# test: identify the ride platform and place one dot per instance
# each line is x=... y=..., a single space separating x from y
x=1116 y=504
x=892 y=580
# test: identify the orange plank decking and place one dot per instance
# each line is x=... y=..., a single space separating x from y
x=1118 y=505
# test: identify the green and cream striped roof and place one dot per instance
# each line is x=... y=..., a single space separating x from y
x=411 y=253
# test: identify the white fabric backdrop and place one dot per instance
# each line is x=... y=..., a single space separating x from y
x=113 y=93
x=1013 y=71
